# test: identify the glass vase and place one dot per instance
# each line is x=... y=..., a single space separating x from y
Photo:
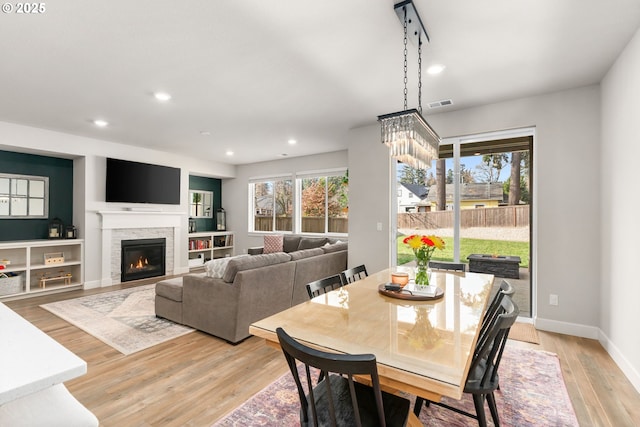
x=422 y=274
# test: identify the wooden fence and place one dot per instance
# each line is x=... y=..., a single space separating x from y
x=503 y=216
x=309 y=224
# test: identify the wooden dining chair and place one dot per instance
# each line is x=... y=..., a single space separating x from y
x=353 y=274
x=322 y=286
x=448 y=266
x=495 y=307
x=336 y=399
x=482 y=379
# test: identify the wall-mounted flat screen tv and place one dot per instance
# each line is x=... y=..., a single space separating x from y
x=135 y=182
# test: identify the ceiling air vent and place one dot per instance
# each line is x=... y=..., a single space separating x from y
x=442 y=103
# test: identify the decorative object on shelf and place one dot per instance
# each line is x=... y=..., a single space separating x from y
x=407 y=134
x=423 y=248
x=54 y=258
x=55 y=229
x=71 y=232
x=221 y=219
x=59 y=276
x=192 y=225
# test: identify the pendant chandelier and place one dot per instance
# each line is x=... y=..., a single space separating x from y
x=407 y=134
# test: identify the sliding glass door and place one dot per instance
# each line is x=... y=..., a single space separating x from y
x=477 y=197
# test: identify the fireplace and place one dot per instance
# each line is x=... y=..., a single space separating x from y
x=142 y=258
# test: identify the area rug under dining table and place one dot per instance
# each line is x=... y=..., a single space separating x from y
x=532 y=393
x=124 y=319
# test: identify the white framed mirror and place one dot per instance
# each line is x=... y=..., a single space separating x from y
x=24 y=196
x=200 y=204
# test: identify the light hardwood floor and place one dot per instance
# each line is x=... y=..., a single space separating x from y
x=196 y=379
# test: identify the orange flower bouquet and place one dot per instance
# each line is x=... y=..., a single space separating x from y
x=423 y=248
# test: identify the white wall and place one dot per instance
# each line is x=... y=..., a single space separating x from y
x=370 y=199
x=235 y=198
x=566 y=176
x=620 y=232
x=89 y=180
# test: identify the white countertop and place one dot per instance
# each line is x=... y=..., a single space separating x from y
x=30 y=360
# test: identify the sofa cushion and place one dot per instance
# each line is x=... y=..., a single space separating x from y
x=305 y=253
x=342 y=246
x=170 y=289
x=290 y=243
x=250 y=262
x=216 y=267
x=311 y=242
x=273 y=243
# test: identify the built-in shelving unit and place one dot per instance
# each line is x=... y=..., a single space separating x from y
x=40 y=266
x=207 y=245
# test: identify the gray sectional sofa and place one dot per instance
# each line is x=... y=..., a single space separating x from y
x=252 y=288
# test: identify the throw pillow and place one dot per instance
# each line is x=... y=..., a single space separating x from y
x=273 y=243
x=216 y=267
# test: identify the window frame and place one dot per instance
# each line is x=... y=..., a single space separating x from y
x=296 y=199
x=252 y=206
x=326 y=174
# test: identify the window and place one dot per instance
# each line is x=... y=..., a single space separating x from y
x=24 y=196
x=324 y=203
x=272 y=204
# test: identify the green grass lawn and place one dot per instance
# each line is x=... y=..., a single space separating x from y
x=468 y=247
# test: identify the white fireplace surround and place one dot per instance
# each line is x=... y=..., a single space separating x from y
x=125 y=225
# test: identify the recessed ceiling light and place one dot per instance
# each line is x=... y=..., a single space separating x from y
x=292 y=142
x=100 y=123
x=162 y=96
x=229 y=153
x=435 y=69
x=205 y=133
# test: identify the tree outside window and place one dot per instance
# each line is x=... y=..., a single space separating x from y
x=325 y=204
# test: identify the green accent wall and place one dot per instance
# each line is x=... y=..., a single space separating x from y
x=60 y=173
x=207 y=184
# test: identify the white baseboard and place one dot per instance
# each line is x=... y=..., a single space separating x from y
x=627 y=368
x=567 y=328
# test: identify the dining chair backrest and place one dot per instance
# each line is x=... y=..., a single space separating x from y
x=482 y=379
x=495 y=307
x=353 y=274
x=322 y=286
x=336 y=397
x=449 y=266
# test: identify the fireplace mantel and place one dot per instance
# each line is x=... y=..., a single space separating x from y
x=140 y=219
x=114 y=223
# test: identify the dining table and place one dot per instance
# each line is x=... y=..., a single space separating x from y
x=423 y=344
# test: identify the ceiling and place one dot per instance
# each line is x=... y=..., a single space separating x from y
x=249 y=75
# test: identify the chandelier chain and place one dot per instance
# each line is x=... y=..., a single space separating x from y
x=405 y=58
x=420 y=74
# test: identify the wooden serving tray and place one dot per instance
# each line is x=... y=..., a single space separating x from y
x=407 y=295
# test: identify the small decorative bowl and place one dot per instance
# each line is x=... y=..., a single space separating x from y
x=399 y=278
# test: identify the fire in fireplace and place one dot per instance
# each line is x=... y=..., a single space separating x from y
x=142 y=258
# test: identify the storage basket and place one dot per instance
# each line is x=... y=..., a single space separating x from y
x=10 y=284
